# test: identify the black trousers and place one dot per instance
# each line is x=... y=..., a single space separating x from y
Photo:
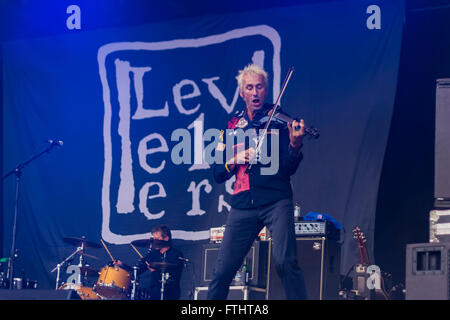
x=242 y=228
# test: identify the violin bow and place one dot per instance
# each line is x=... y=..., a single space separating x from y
x=283 y=88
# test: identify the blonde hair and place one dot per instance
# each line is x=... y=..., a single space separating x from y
x=255 y=69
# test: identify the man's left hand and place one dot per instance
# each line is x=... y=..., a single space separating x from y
x=296 y=133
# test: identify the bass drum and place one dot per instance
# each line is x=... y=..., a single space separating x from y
x=85 y=293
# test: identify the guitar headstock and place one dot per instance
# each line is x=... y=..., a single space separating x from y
x=359 y=235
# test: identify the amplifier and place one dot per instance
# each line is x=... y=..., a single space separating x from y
x=235 y=293
x=319 y=259
x=316 y=228
x=256 y=260
x=440 y=226
x=216 y=234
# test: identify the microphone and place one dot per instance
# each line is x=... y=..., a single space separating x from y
x=183 y=259
x=56 y=143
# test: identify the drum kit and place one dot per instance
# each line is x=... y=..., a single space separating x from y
x=114 y=282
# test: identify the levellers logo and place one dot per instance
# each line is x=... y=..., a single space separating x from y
x=137 y=80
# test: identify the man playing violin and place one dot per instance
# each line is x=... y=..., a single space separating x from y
x=259 y=199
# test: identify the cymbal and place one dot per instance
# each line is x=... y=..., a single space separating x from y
x=88 y=271
x=88 y=255
x=162 y=265
x=81 y=241
x=156 y=244
x=83 y=253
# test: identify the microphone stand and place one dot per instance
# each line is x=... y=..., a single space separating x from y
x=18 y=172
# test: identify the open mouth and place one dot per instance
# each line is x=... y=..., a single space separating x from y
x=256 y=101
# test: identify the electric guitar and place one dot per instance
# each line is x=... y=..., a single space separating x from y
x=380 y=293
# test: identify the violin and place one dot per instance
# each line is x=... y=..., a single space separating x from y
x=273 y=112
x=280 y=120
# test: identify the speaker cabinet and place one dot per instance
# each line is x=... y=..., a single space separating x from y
x=319 y=259
x=427 y=271
x=442 y=144
x=38 y=294
x=256 y=260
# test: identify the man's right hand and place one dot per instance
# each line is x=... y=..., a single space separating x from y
x=242 y=157
x=118 y=263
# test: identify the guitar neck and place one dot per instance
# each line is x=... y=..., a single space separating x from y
x=366 y=255
x=361 y=255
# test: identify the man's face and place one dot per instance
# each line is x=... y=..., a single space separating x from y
x=159 y=236
x=254 y=91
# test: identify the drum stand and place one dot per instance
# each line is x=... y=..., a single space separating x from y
x=135 y=283
x=59 y=265
x=164 y=278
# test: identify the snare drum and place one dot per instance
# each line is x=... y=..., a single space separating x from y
x=113 y=282
x=85 y=293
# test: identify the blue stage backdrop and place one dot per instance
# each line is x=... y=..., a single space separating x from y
x=118 y=97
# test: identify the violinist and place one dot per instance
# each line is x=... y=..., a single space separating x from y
x=258 y=199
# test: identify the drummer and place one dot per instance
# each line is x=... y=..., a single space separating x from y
x=162 y=257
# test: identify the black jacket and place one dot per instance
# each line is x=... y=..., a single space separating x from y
x=253 y=189
x=172 y=285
